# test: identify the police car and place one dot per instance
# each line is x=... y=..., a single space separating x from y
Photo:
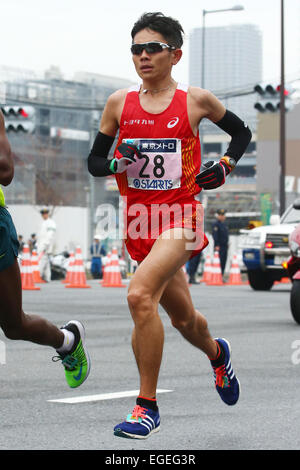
x=265 y=248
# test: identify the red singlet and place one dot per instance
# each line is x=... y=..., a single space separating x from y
x=165 y=174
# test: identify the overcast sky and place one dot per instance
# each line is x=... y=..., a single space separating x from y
x=94 y=35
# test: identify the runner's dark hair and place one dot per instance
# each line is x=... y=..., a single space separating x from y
x=168 y=27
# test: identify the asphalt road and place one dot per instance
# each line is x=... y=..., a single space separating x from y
x=263 y=337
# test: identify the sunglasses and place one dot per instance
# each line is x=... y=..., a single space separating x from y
x=150 y=47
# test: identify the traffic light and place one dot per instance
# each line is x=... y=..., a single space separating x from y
x=270 y=99
x=19 y=118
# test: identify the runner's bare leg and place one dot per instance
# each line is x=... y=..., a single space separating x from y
x=145 y=292
x=18 y=325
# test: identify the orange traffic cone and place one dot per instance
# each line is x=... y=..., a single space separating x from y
x=35 y=268
x=105 y=271
x=207 y=269
x=78 y=277
x=216 y=273
x=285 y=280
x=235 y=278
x=27 y=279
x=68 y=278
x=112 y=272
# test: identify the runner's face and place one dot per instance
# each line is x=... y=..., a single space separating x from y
x=153 y=66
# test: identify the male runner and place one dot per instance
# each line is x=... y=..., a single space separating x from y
x=157 y=161
x=68 y=341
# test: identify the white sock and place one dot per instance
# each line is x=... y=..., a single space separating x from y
x=68 y=341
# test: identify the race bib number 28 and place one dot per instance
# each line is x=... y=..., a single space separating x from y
x=159 y=165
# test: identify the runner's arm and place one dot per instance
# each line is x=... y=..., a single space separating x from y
x=213 y=174
x=98 y=162
x=6 y=161
x=229 y=123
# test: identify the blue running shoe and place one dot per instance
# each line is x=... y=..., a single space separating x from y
x=140 y=424
x=227 y=384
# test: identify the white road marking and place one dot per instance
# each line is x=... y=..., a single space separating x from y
x=103 y=396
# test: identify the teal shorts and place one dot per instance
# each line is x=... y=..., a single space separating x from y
x=9 y=244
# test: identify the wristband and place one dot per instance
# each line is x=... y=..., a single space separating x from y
x=112 y=166
x=229 y=162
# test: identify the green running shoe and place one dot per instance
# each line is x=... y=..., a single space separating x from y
x=76 y=362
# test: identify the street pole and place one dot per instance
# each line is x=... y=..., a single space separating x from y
x=91 y=178
x=282 y=119
x=204 y=13
x=202 y=80
x=203 y=50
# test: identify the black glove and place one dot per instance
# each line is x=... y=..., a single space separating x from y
x=212 y=174
x=125 y=154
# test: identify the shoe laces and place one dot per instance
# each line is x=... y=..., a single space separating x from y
x=69 y=362
x=138 y=412
x=222 y=379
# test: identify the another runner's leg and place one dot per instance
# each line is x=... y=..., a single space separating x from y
x=17 y=325
x=14 y=322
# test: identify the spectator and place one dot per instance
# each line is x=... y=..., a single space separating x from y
x=192 y=268
x=97 y=251
x=21 y=244
x=32 y=242
x=45 y=244
x=221 y=237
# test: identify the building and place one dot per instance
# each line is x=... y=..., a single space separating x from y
x=50 y=162
x=233 y=63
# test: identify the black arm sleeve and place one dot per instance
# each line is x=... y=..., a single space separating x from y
x=239 y=132
x=97 y=161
